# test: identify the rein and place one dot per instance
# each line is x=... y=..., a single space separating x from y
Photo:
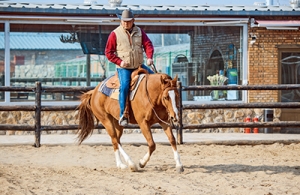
x=153 y=105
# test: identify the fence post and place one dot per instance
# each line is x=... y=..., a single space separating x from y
x=38 y=94
x=179 y=130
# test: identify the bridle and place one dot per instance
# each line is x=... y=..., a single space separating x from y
x=147 y=93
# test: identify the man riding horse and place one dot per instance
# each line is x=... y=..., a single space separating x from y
x=124 y=48
x=155 y=102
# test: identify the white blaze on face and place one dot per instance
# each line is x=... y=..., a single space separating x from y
x=172 y=96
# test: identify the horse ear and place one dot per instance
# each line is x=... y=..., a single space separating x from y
x=163 y=79
x=176 y=78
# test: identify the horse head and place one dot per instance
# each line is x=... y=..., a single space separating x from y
x=170 y=98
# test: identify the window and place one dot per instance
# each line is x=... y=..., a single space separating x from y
x=289 y=61
x=59 y=54
x=290 y=74
x=52 y=56
x=197 y=52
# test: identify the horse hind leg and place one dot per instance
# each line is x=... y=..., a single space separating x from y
x=127 y=159
x=119 y=162
x=115 y=132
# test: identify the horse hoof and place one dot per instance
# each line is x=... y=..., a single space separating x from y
x=179 y=169
x=122 y=166
x=133 y=168
x=141 y=165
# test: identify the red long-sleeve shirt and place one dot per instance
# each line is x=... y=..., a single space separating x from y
x=111 y=47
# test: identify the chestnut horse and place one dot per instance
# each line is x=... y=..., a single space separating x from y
x=156 y=101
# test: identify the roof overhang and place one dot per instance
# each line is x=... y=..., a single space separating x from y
x=170 y=21
x=75 y=9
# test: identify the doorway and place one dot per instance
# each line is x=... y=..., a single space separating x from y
x=289 y=66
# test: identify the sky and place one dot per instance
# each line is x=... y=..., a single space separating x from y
x=160 y=2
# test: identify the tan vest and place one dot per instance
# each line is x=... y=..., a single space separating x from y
x=130 y=53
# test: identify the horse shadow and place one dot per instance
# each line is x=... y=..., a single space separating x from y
x=236 y=168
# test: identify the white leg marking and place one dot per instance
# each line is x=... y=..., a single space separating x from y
x=119 y=162
x=127 y=159
x=144 y=160
x=177 y=158
x=172 y=96
x=179 y=166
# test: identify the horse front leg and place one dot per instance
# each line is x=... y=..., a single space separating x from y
x=145 y=159
x=151 y=144
x=169 y=133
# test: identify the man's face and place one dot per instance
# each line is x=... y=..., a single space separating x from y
x=127 y=24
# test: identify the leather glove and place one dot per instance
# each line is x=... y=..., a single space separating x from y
x=149 y=62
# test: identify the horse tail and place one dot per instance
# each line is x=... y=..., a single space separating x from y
x=86 y=117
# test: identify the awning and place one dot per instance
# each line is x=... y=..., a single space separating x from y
x=276 y=24
x=266 y=23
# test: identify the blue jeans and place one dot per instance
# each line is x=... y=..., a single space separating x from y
x=125 y=78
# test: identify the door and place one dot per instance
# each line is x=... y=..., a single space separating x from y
x=289 y=73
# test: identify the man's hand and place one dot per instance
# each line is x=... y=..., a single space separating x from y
x=149 y=62
x=124 y=64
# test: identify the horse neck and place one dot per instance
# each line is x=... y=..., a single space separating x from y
x=153 y=88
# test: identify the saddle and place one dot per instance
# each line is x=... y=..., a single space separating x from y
x=112 y=84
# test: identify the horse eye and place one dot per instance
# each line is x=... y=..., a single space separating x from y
x=166 y=97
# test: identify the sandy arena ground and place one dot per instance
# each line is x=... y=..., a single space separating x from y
x=209 y=169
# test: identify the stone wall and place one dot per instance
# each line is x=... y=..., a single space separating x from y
x=47 y=118
x=203 y=116
x=200 y=116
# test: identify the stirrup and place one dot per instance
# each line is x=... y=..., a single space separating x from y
x=123 y=121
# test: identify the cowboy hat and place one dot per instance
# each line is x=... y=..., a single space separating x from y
x=127 y=15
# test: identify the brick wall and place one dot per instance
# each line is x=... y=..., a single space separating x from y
x=263 y=59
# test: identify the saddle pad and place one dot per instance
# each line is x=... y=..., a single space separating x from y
x=104 y=89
